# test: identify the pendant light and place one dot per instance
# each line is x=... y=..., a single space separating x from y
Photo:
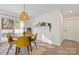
x=24 y=15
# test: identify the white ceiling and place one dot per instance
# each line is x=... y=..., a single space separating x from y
x=38 y=9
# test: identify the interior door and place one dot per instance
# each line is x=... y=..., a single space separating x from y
x=70 y=29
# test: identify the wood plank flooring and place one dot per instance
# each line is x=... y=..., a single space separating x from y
x=68 y=47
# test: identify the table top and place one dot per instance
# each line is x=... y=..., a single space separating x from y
x=29 y=35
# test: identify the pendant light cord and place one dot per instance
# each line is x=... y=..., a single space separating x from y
x=24 y=7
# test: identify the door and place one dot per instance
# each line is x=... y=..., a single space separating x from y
x=70 y=29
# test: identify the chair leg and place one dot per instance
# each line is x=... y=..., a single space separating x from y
x=17 y=51
x=30 y=47
x=9 y=49
x=35 y=44
x=28 y=50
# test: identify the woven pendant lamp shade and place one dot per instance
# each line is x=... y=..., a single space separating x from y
x=24 y=16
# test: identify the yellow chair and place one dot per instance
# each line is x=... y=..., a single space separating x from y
x=10 y=41
x=33 y=39
x=21 y=42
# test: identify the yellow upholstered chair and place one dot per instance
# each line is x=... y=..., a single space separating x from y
x=33 y=39
x=10 y=41
x=22 y=42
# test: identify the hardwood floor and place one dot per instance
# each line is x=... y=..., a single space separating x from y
x=68 y=47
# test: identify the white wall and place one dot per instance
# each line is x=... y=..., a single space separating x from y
x=71 y=29
x=77 y=30
x=56 y=34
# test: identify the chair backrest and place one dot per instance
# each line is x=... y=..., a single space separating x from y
x=22 y=42
x=34 y=37
x=24 y=33
x=9 y=37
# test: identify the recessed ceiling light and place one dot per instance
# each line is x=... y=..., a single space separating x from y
x=70 y=11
